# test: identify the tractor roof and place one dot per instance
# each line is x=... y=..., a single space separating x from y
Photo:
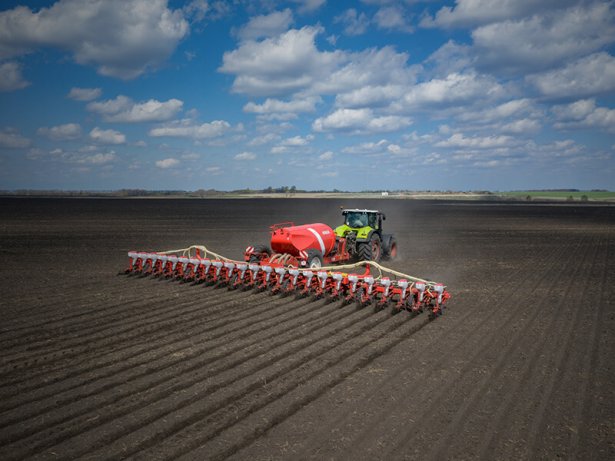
x=351 y=210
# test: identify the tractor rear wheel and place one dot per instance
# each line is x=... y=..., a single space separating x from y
x=371 y=250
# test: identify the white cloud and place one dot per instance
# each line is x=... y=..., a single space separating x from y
x=214 y=170
x=297 y=141
x=588 y=76
x=511 y=108
x=61 y=132
x=393 y=18
x=458 y=140
x=308 y=6
x=167 y=163
x=107 y=136
x=11 y=139
x=522 y=126
x=365 y=69
x=124 y=109
x=98 y=159
x=279 y=65
x=84 y=94
x=245 y=156
x=292 y=64
x=122 y=38
x=188 y=129
x=584 y=114
x=264 y=139
x=371 y=96
x=455 y=88
x=268 y=25
x=360 y=121
x=10 y=76
x=354 y=23
x=543 y=41
x=474 y=12
x=325 y=156
x=367 y=147
x=297 y=105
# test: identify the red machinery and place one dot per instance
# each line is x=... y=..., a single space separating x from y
x=296 y=267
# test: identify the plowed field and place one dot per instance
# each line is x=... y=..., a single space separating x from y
x=100 y=366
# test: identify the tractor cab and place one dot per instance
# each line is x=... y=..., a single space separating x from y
x=361 y=222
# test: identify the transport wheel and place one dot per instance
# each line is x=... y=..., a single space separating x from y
x=314 y=259
x=259 y=250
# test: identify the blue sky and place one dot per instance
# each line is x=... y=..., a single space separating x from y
x=372 y=94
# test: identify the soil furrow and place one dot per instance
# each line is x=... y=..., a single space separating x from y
x=487 y=352
x=514 y=372
x=182 y=408
x=164 y=374
x=222 y=328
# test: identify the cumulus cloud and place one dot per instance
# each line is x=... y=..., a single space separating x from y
x=98 y=159
x=11 y=139
x=367 y=147
x=264 y=139
x=167 y=163
x=10 y=76
x=121 y=38
x=458 y=140
x=325 y=156
x=308 y=6
x=354 y=23
x=61 y=132
x=588 y=76
x=507 y=109
x=245 y=156
x=542 y=41
x=84 y=94
x=107 y=136
x=270 y=106
x=371 y=96
x=268 y=25
x=393 y=18
x=124 y=109
x=188 y=129
x=455 y=88
x=359 y=121
x=584 y=114
x=280 y=65
x=474 y=12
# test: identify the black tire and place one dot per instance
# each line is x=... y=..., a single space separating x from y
x=314 y=259
x=370 y=250
x=259 y=251
x=389 y=248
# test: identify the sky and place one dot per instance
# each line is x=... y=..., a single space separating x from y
x=317 y=94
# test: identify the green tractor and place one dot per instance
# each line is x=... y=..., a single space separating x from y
x=365 y=240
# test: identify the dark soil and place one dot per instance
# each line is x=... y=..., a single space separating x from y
x=100 y=366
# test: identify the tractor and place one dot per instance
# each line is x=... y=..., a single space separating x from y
x=365 y=241
x=360 y=238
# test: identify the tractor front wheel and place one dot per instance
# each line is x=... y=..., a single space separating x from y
x=390 y=250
